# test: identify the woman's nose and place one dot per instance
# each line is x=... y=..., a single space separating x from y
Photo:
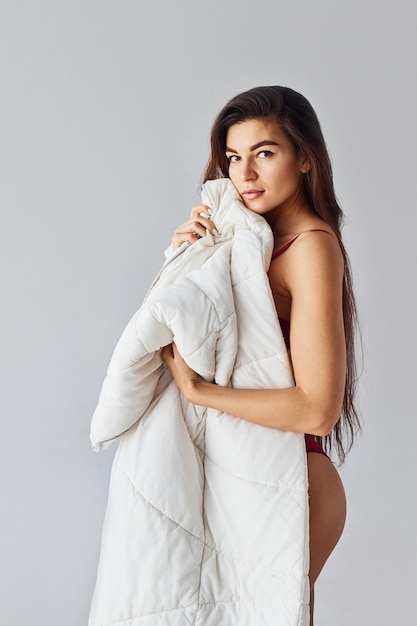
x=248 y=172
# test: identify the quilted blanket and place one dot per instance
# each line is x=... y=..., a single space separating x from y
x=207 y=516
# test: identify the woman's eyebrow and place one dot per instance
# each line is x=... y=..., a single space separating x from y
x=267 y=142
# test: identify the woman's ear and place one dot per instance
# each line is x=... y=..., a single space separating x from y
x=304 y=164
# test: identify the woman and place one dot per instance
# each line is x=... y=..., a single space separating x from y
x=268 y=141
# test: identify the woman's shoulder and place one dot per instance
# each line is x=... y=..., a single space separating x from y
x=310 y=254
x=315 y=232
x=314 y=241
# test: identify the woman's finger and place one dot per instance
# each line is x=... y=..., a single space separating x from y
x=201 y=208
x=193 y=230
x=201 y=213
x=196 y=226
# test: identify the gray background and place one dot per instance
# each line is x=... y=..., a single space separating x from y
x=105 y=114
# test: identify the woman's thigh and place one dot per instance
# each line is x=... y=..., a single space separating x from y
x=327 y=510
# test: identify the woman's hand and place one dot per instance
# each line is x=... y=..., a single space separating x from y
x=187 y=380
x=196 y=227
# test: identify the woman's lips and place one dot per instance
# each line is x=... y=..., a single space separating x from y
x=252 y=194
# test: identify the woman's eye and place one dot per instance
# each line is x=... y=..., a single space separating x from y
x=265 y=153
x=233 y=158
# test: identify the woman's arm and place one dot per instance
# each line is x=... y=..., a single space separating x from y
x=313 y=275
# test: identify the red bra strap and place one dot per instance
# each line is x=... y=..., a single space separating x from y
x=284 y=247
x=289 y=243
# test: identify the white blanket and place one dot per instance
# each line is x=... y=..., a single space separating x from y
x=207 y=518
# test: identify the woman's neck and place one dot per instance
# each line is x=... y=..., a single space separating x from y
x=290 y=219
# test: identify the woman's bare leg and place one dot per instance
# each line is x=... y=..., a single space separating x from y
x=327 y=514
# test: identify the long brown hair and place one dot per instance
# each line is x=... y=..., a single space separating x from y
x=298 y=120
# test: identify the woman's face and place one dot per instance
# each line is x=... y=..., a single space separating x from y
x=263 y=165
